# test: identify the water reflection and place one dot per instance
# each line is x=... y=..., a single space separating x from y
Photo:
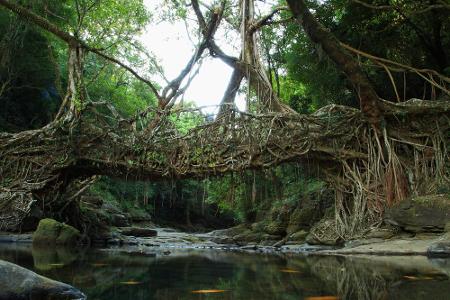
x=189 y=274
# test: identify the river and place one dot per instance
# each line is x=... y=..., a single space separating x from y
x=112 y=274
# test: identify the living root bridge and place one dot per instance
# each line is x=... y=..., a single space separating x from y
x=368 y=171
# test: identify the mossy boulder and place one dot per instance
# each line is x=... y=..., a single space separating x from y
x=301 y=218
x=276 y=228
x=421 y=214
x=51 y=232
x=68 y=235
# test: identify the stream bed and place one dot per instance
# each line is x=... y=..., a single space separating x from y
x=114 y=274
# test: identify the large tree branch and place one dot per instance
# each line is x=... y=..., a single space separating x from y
x=227 y=102
x=369 y=100
x=211 y=44
x=265 y=20
x=208 y=31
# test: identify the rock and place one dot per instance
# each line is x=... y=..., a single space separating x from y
x=233 y=231
x=421 y=214
x=51 y=232
x=301 y=218
x=119 y=220
x=324 y=233
x=138 y=232
x=68 y=236
x=275 y=228
x=17 y=283
x=249 y=247
x=248 y=237
x=447 y=227
x=380 y=233
x=440 y=248
x=298 y=236
x=138 y=215
x=110 y=208
x=268 y=242
x=114 y=242
x=222 y=240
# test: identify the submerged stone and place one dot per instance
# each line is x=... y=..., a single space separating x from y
x=17 y=283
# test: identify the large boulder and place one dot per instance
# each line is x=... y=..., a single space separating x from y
x=302 y=218
x=51 y=232
x=421 y=214
x=17 y=283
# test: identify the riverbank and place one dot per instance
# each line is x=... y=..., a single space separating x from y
x=164 y=239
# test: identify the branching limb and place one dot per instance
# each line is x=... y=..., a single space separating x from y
x=229 y=97
x=369 y=100
x=266 y=20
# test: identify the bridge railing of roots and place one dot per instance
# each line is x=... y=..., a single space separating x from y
x=369 y=167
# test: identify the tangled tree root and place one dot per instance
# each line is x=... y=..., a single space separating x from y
x=369 y=170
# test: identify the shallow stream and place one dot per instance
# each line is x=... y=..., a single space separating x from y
x=112 y=274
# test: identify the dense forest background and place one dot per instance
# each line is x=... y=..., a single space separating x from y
x=33 y=77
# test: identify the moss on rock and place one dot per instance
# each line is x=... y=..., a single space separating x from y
x=275 y=228
x=68 y=235
x=51 y=232
x=428 y=213
x=47 y=232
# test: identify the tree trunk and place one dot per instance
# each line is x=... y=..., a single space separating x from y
x=368 y=98
x=252 y=65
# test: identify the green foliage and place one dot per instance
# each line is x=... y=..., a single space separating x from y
x=188 y=119
x=123 y=194
x=33 y=68
x=250 y=195
x=28 y=71
x=409 y=32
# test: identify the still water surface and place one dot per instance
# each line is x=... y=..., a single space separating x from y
x=209 y=274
